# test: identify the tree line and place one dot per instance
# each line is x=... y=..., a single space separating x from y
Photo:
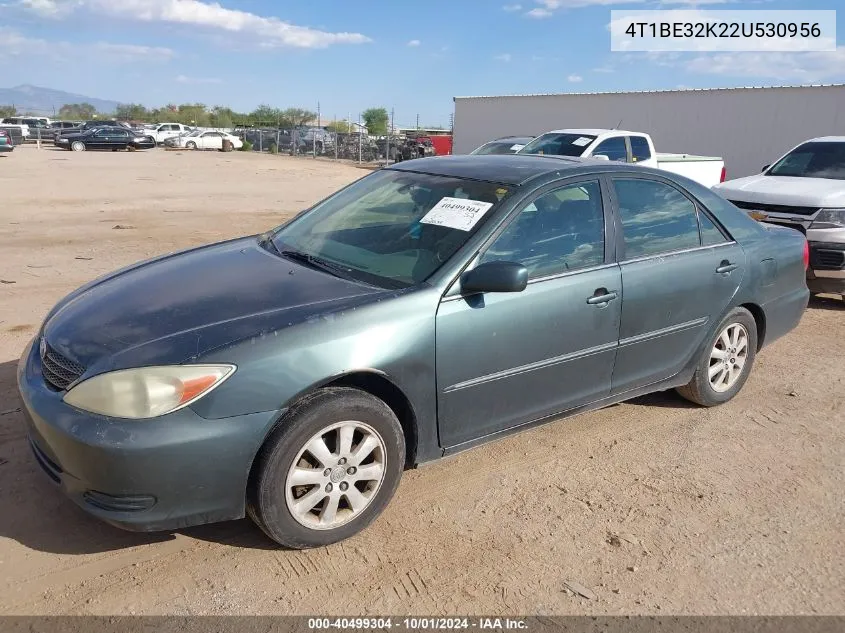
x=200 y=115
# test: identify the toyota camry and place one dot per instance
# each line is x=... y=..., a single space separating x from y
x=424 y=309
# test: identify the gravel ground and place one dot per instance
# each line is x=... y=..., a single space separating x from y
x=649 y=507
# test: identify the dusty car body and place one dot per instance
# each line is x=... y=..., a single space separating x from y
x=422 y=310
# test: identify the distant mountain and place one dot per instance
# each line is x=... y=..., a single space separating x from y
x=46 y=101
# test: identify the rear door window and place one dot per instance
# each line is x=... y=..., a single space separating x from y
x=640 y=150
x=656 y=218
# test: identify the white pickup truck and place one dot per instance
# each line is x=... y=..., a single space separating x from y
x=164 y=131
x=626 y=147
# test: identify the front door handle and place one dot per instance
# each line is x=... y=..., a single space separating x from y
x=602 y=297
x=725 y=267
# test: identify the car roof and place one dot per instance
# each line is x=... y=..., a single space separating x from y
x=510 y=138
x=590 y=131
x=826 y=139
x=511 y=169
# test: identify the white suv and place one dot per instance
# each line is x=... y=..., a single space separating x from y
x=805 y=190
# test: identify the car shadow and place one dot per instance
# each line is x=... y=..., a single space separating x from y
x=35 y=513
x=666 y=399
x=827 y=302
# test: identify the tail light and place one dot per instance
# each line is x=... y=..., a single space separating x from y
x=724 y=174
x=806 y=255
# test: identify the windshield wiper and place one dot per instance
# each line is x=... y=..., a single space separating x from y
x=316 y=262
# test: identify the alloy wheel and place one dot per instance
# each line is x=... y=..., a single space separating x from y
x=728 y=357
x=336 y=475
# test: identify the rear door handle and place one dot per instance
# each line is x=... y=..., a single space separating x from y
x=602 y=297
x=725 y=267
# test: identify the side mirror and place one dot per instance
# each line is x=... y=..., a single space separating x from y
x=766 y=167
x=495 y=277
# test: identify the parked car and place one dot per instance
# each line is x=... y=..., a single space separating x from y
x=33 y=128
x=164 y=131
x=504 y=145
x=92 y=125
x=627 y=147
x=294 y=374
x=17 y=129
x=803 y=190
x=113 y=138
x=200 y=139
x=65 y=125
x=6 y=144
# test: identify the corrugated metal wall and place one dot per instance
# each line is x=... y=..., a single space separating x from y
x=749 y=127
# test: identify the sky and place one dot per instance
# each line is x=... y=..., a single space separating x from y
x=410 y=56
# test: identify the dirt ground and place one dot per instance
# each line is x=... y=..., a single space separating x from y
x=651 y=507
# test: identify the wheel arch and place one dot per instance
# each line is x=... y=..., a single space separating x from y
x=759 y=319
x=375 y=383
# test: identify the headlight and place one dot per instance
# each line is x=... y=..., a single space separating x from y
x=829 y=219
x=147 y=392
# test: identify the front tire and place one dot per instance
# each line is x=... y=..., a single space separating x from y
x=190 y=145
x=726 y=362
x=77 y=146
x=328 y=470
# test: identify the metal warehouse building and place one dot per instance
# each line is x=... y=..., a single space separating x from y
x=748 y=127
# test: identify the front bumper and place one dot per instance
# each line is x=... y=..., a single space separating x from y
x=827 y=267
x=142 y=475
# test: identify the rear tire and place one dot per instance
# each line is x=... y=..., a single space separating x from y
x=726 y=361
x=342 y=491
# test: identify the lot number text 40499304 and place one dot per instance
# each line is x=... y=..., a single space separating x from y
x=417 y=623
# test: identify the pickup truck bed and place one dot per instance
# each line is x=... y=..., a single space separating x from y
x=708 y=170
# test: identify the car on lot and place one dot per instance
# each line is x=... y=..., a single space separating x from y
x=6 y=144
x=113 y=138
x=503 y=145
x=209 y=139
x=803 y=190
x=20 y=132
x=33 y=128
x=423 y=309
x=164 y=131
x=627 y=147
x=92 y=125
x=66 y=125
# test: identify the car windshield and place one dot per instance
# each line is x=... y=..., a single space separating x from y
x=194 y=133
x=813 y=160
x=500 y=147
x=392 y=228
x=559 y=144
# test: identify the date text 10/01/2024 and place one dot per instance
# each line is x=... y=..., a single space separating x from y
x=417 y=623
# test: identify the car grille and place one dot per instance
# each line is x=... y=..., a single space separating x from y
x=59 y=371
x=827 y=259
x=774 y=208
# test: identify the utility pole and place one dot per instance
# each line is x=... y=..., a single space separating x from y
x=360 y=149
x=335 y=136
x=319 y=127
x=418 y=121
x=389 y=132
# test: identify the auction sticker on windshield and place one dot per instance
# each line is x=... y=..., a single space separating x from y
x=456 y=213
x=582 y=141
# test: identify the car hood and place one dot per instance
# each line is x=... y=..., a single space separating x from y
x=785 y=190
x=180 y=306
